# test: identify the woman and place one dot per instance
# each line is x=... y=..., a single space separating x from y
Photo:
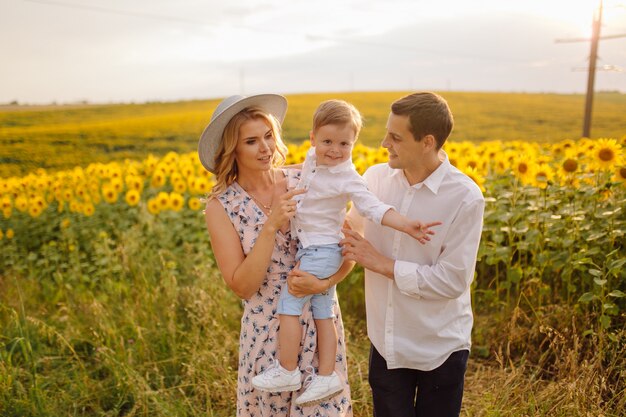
x=247 y=216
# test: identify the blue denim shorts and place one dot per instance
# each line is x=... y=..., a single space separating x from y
x=321 y=261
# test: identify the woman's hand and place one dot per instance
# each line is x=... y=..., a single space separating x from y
x=302 y=283
x=283 y=208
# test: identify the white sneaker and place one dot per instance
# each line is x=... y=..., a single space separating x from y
x=320 y=388
x=277 y=379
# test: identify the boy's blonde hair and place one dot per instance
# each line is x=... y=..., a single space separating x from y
x=337 y=112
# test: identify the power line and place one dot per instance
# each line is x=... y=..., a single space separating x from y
x=118 y=12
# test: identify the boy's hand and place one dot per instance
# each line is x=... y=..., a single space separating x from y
x=420 y=231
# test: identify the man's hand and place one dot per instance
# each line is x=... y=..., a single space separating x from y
x=357 y=249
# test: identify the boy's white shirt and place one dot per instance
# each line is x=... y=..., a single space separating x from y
x=321 y=210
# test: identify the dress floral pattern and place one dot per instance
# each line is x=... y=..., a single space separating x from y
x=258 y=341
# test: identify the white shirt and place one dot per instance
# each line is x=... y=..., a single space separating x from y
x=424 y=314
x=322 y=209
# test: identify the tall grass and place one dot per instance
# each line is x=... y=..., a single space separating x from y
x=124 y=314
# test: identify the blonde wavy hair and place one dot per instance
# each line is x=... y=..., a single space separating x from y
x=225 y=163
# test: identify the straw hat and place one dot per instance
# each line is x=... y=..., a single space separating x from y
x=273 y=104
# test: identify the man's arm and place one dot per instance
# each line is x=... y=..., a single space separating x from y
x=447 y=278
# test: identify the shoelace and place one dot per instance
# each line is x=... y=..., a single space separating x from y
x=273 y=368
x=311 y=377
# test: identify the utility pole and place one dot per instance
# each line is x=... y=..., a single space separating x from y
x=593 y=57
x=591 y=76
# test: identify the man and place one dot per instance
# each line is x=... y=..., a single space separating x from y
x=419 y=316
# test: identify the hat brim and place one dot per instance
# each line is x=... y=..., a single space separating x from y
x=209 y=142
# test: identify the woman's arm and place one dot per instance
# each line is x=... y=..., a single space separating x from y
x=245 y=274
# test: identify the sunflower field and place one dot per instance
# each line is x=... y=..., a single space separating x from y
x=109 y=290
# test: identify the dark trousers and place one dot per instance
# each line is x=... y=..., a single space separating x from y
x=413 y=393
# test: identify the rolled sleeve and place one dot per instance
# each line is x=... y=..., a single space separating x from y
x=405 y=276
x=451 y=275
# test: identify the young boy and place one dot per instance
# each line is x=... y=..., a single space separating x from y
x=330 y=181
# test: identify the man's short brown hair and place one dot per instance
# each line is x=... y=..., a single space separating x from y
x=428 y=114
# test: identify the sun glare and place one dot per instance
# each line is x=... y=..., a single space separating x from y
x=578 y=14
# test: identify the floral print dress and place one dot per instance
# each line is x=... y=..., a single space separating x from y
x=258 y=341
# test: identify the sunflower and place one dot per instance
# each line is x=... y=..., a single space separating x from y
x=194 y=203
x=67 y=194
x=6 y=202
x=153 y=206
x=569 y=166
x=88 y=209
x=7 y=212
x=606 y=154
x=34 y=210
x=542 y=174
x=523 y=168
x=569 y=169
x=186 y=170
x=163 y=200
x=476 y=177
x=180 y=186
x=109 y=194
x=177 y=201
x=619 y=175
x=360 y=166
x=132 y=197
x=75 y=206
x=201 y=185
x=158 y=179
x=65 y=223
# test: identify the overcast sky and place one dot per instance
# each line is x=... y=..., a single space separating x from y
x=138 y=50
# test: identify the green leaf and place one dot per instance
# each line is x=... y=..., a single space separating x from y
x=514 y=274
x=599 y=281
x=605 y=321
x=610 y=308
x=586 y=297
x=594 y=272
x=617 y=264
x=595 y=236
x=617 y=294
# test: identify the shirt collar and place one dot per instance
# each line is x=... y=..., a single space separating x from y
x=434 y=180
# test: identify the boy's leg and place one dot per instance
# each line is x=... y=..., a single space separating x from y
x=289 y=336
x=326 y=345
x=326 y=383
x=285 y=374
